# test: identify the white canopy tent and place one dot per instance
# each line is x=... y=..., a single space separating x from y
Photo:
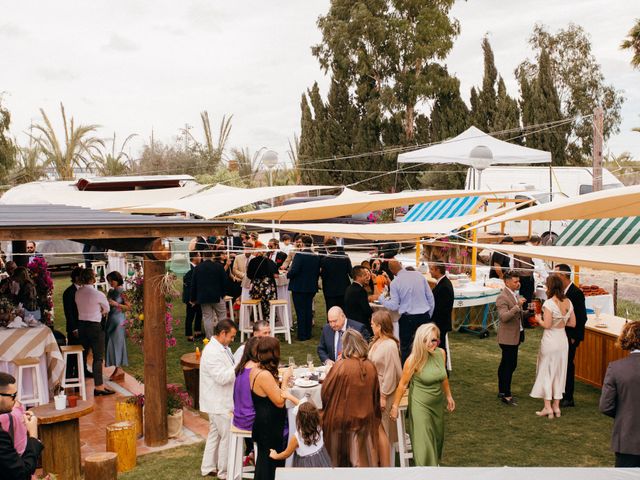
x=351 y=202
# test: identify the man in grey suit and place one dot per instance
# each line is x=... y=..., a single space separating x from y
x=510 y=333
x=620 y=399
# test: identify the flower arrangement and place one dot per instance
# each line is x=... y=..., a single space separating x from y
x=177 y=398
x=136 y=399
x=44 y=288
x=134 y=323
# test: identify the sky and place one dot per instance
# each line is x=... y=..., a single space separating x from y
x=133 y=66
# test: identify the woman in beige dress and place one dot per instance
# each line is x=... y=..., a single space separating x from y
x=385 y=354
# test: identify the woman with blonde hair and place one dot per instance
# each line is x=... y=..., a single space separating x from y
x=426 y=376
x=351 y=420
x=384 y=353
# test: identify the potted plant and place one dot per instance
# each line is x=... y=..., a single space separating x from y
x=177 y=399
x=59 y=397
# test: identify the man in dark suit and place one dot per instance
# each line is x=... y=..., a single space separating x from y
x=356 y=300
x=510 y=333
x=71 y=316
x=330 y=347
x=501 y=262
x=207 y=290
x=193 y=311
x=621 y=396
x=443 y=295
x=575 y=335
x=335 y=271
x=303 y=283
x=14 y=466
x=275 y=254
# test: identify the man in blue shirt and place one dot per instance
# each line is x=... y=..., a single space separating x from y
x=411 y=297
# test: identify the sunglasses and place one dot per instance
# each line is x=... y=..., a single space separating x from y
x=12 y=396
x=435 y=341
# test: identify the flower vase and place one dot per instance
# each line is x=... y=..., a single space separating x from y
x=174 y=424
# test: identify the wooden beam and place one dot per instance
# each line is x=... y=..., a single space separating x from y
x=101 y=232
x=155 y=355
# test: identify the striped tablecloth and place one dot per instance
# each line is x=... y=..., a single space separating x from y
x=37 y=342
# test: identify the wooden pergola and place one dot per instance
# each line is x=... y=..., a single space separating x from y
x=126 y=233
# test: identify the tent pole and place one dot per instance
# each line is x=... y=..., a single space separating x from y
x=576 y=275
x=417 y=253
x=474 y=254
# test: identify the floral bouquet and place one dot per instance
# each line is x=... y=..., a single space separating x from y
x=44 y=288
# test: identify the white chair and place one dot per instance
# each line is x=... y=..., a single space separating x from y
x=32 y=364
x=235 y=468
x=72 y=382
x=100 y=271
x=404 y=447
x=248 y=308
x=280 y=308
x=229 y=301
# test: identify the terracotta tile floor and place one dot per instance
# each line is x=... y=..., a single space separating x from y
x=93 y=426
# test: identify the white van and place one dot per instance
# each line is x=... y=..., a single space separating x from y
x=540 y=185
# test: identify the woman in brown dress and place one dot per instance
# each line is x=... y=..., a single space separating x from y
x=351 y=422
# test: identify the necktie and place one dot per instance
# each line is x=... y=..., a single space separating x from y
x=228 y=350
x=339 y=345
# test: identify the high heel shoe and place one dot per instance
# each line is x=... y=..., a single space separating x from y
x=545 y=413
x=557 y=413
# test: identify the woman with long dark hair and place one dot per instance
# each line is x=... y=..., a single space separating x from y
x=116 y=355
x=262 y=272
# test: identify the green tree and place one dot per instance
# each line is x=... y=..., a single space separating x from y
x=7 y=147
x=76 y=151
x=246 y=164
x=112 y=163
x=632 y=42
x=212 y=150
x=580 y=84
x=29 y=167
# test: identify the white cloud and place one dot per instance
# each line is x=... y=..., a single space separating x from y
x=121 y=44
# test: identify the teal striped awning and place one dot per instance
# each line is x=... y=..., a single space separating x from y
x=442 y=209
x=602 y=231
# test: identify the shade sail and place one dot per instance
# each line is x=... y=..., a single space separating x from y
x=618 y=258
x=351 y=202
x=440 y=209
x=617 y=202
x=601 y=231
x=459 y=150
x=215 y=202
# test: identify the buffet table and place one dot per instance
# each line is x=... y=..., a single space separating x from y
x=598 y=348
x=36 y=342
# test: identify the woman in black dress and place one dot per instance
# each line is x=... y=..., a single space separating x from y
x=269 y=402
x=262 y=272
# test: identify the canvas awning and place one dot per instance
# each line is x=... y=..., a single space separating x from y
x=440 y=209
x=459 y=150
x=617 y=202
x=215 y=202
x=351 y=202
x=601 y=231
x=617 y=258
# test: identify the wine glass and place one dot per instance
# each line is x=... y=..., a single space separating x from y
x=292 y=362
x=310 y=360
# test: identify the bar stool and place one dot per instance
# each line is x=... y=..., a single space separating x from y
x=248 y=307
x=235 y=466
x=33 y=364
x=281 y=307
x=229 y=301
x=72 y=382
x=404 y=448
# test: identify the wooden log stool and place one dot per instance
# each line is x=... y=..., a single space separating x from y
x=191 y=371
x=128 y=410
x=101 y=466
x=121 y=439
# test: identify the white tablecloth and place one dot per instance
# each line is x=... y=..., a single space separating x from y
x=603 y=301
x=37 y=342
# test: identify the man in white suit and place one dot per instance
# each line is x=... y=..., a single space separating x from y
x=217 y=376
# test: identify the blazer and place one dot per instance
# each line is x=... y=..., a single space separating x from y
x=510 y=318
x=579 y=308
x=620 y=399
x=278 y=258
x=186 y=285
x=304 y=272
x=239 y=269
x=356 y=304
x=444 y=296
x=327 y=349
x=217 y=377
x=14 y=466
x=70 y=308
x=335 y=270
x=208 y=283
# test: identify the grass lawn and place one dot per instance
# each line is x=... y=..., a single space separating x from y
x=481 y=432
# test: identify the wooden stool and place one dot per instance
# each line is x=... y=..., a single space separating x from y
x=236 y=448
x=229 y=301
x=248 y=308
x=101 y=466
x=404 y=449
x=129 y=410
x=33 y=364
x=121 y=439
x=281 y=306
x=78 y=381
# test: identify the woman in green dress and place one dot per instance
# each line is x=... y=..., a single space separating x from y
x=425 y=374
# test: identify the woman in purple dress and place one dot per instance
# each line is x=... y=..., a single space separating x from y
x=243 y=410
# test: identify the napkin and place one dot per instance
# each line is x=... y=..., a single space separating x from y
x=17 y=323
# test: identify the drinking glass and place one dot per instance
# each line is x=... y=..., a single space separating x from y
x=310 y=360
x=598 y=311
x=292 y=362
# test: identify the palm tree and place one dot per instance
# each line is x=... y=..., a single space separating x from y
x=632 y=42
x=112 y=163
x=246 y=164
x=30 y=167
x=77 y=149
x=212 y=151
x=294 y=148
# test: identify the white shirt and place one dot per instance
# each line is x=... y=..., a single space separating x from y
x=91 y=303
x=238 y=355
x=287 y=248
x=517 y=302
x=217 y=376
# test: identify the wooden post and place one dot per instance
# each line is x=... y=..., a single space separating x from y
x=101 y=466
x=155 y=353
x=598 y=120
x=474 y=254
x=121 y=439
x=576 y=275
x=417 y=253
x=615 y=296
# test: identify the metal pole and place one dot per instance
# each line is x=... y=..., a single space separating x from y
x=598 y=118
x=273 y=222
